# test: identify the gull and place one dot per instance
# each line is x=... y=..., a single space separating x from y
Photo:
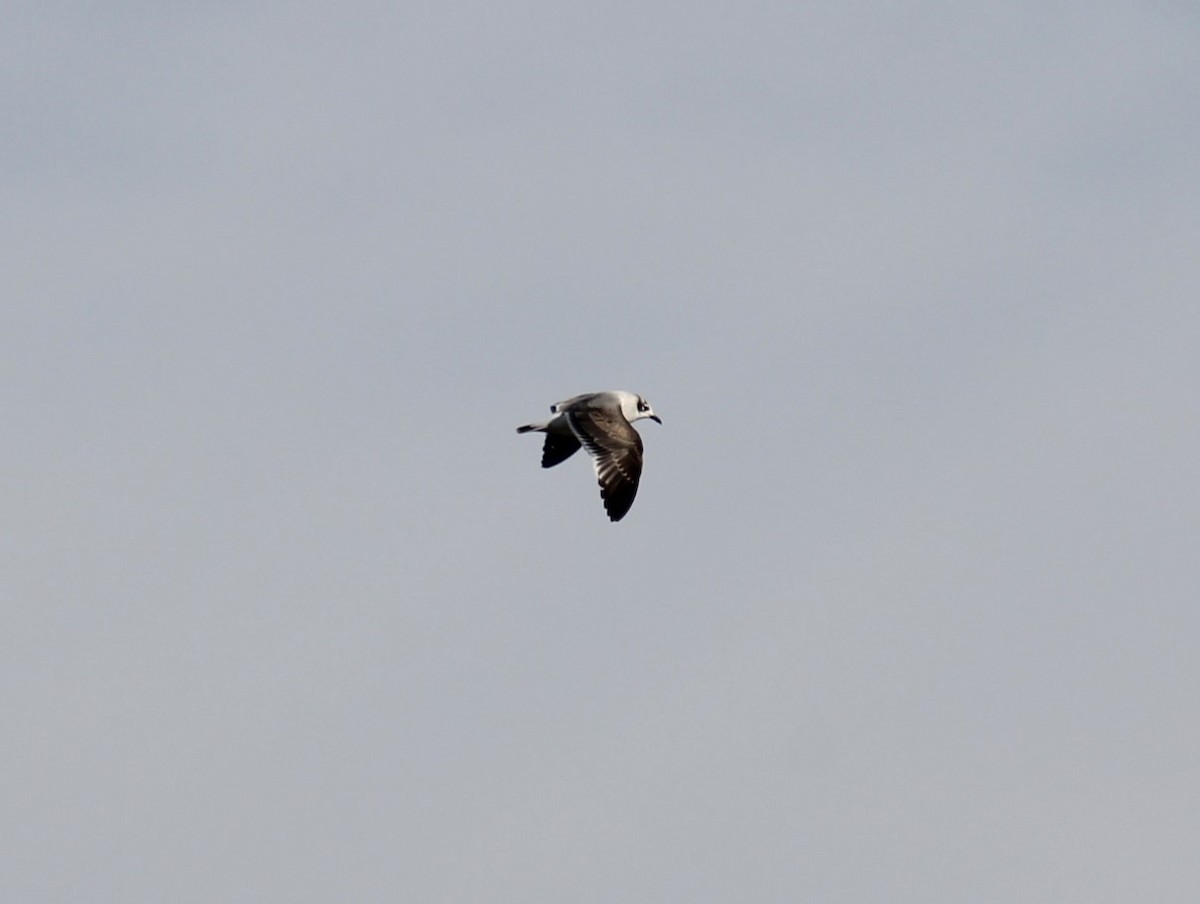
x=601 y=422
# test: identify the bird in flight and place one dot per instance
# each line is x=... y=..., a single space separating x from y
x=601 y=422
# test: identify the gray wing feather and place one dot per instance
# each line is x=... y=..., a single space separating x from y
x=616 y=450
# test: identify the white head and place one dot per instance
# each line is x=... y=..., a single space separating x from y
x=635 y=407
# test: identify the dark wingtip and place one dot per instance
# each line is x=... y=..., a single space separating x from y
x=557 y=449
x=617 y=505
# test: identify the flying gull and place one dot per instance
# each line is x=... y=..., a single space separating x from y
x=601 y=423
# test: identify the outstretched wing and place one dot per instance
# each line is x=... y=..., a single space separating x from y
x=616 y=451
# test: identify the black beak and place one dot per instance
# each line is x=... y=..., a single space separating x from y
x=656 y=418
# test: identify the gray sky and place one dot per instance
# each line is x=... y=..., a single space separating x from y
x=906 y=610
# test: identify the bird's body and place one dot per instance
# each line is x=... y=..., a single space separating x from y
x=600 y=422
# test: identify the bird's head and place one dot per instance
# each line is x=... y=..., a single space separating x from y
x=635 y=407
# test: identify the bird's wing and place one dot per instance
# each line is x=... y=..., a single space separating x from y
x=558 y=448
x=616 y=451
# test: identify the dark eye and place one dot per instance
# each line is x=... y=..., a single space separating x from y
x=642 y=406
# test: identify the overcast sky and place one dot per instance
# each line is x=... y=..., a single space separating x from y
x=907 y=607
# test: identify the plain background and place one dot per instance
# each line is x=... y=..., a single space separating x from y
x=906 y=610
